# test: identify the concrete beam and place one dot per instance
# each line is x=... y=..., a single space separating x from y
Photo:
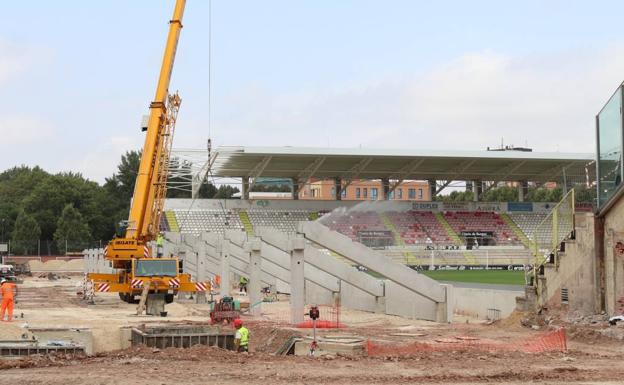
x=297 y=282
x=237 y=237
x=372 y=260
x=312 y=274
x=255 y=286
x=243 y=258
x=344 y=272
x=275 y=242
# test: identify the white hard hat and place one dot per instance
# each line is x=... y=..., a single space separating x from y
x=2 y=280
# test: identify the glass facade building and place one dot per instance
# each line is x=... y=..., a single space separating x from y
x=609 y=142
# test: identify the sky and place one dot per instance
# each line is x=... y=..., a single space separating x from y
x=76 y=76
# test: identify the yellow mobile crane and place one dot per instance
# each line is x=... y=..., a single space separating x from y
x=137 y=271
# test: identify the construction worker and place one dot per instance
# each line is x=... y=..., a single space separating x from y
x=160 y=240
x=9 y=292
x=241 y=340
x=242 y=284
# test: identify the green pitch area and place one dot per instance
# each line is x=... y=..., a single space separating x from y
x=501 y=277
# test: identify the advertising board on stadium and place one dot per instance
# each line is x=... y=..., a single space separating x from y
x=456 y=206
x=496 y=207
x=427 y=206
x=477 y=234
x=520 y=206
x=374 y=234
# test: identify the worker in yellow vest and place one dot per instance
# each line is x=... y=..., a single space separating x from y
x=241 y=340
x=160 y=240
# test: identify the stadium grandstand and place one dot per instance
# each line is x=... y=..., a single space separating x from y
x=413 y=228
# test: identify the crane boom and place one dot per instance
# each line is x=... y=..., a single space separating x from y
x=141 y=223
x=137 y=272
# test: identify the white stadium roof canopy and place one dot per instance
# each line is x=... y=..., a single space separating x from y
x=304 y=163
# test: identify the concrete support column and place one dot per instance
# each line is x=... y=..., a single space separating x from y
x=245 y=188
x=521 y=191
x=171 y=245
x=255 y=274
x=385 y=188
x=380 y=302
x=477 y=189
x=297 y=279
x=225 y=267
x=338 y=188
x=195 y=186
x=432 y=188
x=295 y=188
x=200 y=262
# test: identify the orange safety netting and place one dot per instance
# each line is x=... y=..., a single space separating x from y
x=553 y=341
x=329 y=318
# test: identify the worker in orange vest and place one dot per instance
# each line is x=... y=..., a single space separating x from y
x=9 y=292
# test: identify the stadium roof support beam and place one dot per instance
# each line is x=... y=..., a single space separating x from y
x=355 y=171
x=256 y=172
x=456 y=173
x=442 y=186
x=404 y=172
x=551 y=174
x=491 y=186
x=508 y=170
x=203 y=173
x=307 y=173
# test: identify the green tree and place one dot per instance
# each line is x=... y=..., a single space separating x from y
x=25 y=234
x=226 y=192
x=48 y=199
x=119 y=189
x=456 y=196
x=207 y=190
x=15 y=184
x=539 y=194
x=71 y=230
x=121 y=184
x=271 y=188
x=501 y=194
x=585 y=195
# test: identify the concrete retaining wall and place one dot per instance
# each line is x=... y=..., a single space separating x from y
x=475 y=302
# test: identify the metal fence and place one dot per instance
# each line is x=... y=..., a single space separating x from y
x=554 y=229
x=38 y=247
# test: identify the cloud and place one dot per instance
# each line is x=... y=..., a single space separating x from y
x=16 y=59
x=547 y=101
x=102 y=160
x=23 y=130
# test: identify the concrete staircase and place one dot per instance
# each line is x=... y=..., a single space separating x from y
x=244 y=218
x=470 y=259
x=172 y=221
x=409 y=258
x=517 y=231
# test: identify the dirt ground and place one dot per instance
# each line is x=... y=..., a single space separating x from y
x=591 y=358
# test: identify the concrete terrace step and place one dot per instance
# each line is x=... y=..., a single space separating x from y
x=408 y=255
x=172 y=221
x=244 y=218
x=470 y=259
x=517 y=230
